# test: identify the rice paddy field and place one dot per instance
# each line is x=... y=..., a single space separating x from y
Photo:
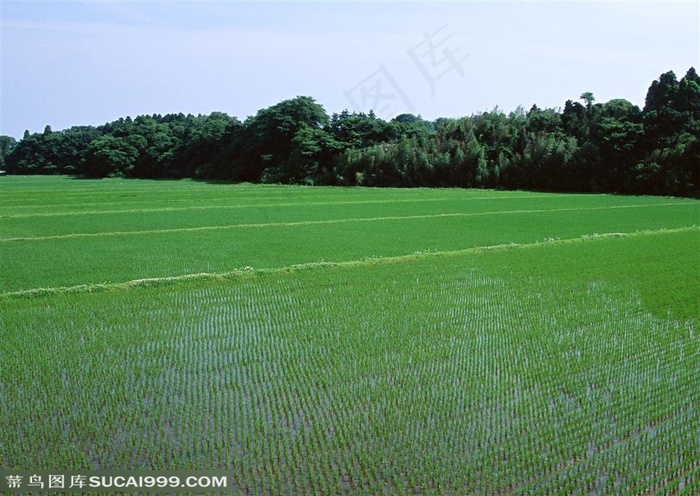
x=352 y=341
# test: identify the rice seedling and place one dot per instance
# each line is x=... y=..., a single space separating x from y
x=546 y=367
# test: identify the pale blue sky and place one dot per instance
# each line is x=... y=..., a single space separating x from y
x=76 y=63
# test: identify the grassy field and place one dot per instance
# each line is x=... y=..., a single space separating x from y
x=344 y=341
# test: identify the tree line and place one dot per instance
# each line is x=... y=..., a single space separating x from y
x=611 y=147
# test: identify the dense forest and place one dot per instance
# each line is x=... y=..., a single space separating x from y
x=586 y=146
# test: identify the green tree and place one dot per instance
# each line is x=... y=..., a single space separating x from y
x=611 y=146
x=205 y=145
x=110 y=156
x=663 y=122
x=412 y=127
x=671 y=136
x=687 y=98
x=268 y=144
x=7 y=144
x=589 y=99
x=359 y=130
x=31 y=155
x=312 y=157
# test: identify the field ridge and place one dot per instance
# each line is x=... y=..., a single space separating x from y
x=325 y=221
x=248 y=271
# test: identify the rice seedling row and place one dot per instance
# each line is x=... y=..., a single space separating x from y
x=566 y=365
x=75 y=261
x=438 y=374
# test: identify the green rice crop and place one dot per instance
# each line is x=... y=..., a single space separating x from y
x=272 y=227
x=557 y=366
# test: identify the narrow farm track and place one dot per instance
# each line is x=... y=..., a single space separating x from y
x=325 y=222
x=157 y=281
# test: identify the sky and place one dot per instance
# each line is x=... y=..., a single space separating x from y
x=87 y=63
